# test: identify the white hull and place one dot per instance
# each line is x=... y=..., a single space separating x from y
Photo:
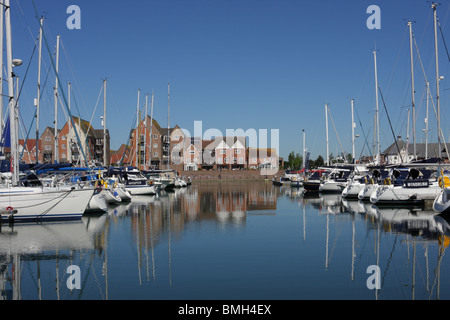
x=352 y=189
x=97 y=203
x=123 y=193
x=442 y=202
x=297 y=184
x=331 y=186
x=141 y=190
x=367 y=191
x=400 y=194
x=36 y=203
x=111 y=196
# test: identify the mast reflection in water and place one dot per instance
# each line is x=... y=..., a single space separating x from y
x=231 y=240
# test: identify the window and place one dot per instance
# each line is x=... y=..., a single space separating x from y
x=155 y=136
x=63 y=146
x=48 y=147
x=155 y=154
x=223 y=151
x=155 y=145
x=48 y=139
x=237 y=151
x=192 y=152
x=63 y=137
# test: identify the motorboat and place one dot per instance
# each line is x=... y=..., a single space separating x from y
x=418 y=186
x=335 y=181
x=133 y=181
x=312 y=183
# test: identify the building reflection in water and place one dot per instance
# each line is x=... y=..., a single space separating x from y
x=34 y=257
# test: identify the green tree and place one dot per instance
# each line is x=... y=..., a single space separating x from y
x=298 y=162
x=319 y=162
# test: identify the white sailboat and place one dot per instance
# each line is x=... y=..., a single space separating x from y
x=27 y=199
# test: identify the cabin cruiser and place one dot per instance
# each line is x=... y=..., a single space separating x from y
x=417 y=186
x=335 y=181
x=133 y=181
x=312 y=183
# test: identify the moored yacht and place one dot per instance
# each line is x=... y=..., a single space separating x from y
x=418 y=186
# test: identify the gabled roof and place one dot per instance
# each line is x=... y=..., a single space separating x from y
x=222 y=145
x=432 y=151
x=237 y=145
x=30 y=145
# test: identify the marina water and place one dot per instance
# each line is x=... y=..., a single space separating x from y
x=230 y=240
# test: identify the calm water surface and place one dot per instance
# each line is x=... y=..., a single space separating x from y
x=230 y=240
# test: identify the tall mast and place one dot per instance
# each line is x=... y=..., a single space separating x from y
x=69 y=135
x=377 y=115
x=145 y=132
x=13 y=112
x=105 y=161
x=151 y=132
x=1 y=70
x=353 y=134
x=168 y=125
x=137 y=126
x=56 y=102
x=412 y=88
x=438 y=102
x=304 y=150
x=38 y=102
x=326 y=130
x=426 y=122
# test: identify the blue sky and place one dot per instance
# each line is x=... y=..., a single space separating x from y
x=250 y=64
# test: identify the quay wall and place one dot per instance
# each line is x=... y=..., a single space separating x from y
x=228 y=175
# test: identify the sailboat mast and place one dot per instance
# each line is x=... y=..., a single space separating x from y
x=13 y=112
x=105 y=161
x=168 y=125
x=69 y=134
x=145 y=132
x=377 y=114
x=1 y=68
x=137 y=126
x=151 y=132
x=412 y=89
x=38 y=102
x=353 y=133
x=426 y=122
x=326 y=130
x=56 y=102
x=438 y=101
x=304 y=151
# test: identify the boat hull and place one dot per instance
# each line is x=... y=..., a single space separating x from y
x=141 y=190
x=401 y=195
x=36 y=203
x=442 y=202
